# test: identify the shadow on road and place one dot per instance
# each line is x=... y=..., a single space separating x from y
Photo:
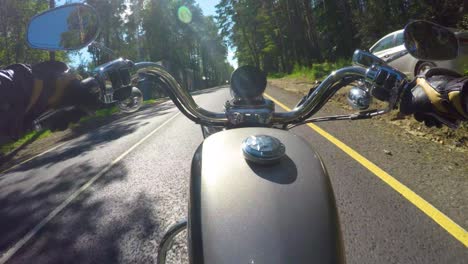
x=121 y=120
x=96 y=227
x=96 y=134
x=83 y=232
x=123 y=124
x=12 y=154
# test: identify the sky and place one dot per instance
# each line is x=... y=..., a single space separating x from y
x=208 y=7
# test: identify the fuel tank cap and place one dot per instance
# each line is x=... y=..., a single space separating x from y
x=263 y=149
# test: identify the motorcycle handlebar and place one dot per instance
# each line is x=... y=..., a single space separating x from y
x=312 y=104
x=320 y=95
x=184 y=100
x=89 y=84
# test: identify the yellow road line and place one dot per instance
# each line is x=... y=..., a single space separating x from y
x=440 y=218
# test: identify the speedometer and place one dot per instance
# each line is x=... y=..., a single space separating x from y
x=248 y=82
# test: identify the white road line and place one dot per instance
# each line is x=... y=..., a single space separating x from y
x=33 y=157
x=8 y=254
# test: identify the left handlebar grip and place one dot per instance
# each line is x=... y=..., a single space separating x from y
x=90 y=85
x=90 y=92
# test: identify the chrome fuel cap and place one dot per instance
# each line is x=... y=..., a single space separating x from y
x=263 y=149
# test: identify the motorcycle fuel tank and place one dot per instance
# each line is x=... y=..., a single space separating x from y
x=252 y=213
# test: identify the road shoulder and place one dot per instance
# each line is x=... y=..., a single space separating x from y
x=435 y=172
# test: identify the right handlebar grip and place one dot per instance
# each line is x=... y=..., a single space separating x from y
x=415 y=100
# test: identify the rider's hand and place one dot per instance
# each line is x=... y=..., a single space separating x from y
x=441 y=97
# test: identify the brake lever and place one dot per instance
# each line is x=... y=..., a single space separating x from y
x=356 y=116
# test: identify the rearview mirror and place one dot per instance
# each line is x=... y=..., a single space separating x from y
x=428 y=41
x=68 y=27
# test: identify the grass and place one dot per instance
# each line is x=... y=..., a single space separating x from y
x=25 y=139
x=106 y=112
x=458 y=137
x=36 y=135
x=150 y=101
x=315 y=72
x=276 y=75
x=101 y=113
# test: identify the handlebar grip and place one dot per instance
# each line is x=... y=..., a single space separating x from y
x=90 y=84
x=413 y=100
x=90 y=92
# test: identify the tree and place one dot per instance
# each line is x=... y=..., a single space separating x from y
x=14 y=16
x=276 y=35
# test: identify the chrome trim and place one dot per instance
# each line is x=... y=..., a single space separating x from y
x=250 y=114
x=359 y=98
x=311 y=105
x=263 y=149
x=319 y=96
x=109 y=98
x=144 y=64
x=185 y=98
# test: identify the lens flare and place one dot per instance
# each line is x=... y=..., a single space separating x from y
x=184 y=14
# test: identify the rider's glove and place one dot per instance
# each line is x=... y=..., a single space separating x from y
x=439 y=97
x=55 y=84
x=15 y=85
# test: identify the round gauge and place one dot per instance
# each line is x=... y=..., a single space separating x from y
x=248 y=82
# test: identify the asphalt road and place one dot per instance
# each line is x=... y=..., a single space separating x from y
x=109 y=195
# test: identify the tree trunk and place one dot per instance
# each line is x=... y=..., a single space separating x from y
x=311 y=30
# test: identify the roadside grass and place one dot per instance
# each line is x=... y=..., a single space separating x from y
x=150 y=101
x=155 y=101
x=277 y=75
x=99 y=114
x=301 y=80
x=106 y=112
x=315 y=72
x=37 y=135
x=25 y=139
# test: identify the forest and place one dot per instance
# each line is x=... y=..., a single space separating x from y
x=275 y=35
x=174 y=32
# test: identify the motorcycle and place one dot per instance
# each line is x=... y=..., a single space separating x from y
x=258 y=193
x=74 y=27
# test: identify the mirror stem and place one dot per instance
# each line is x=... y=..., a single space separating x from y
x=52 y=53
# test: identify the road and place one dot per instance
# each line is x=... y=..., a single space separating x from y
x=109 y=195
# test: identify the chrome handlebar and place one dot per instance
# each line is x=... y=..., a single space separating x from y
x=320 y=95
x=185 y=100
x=312 y=104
